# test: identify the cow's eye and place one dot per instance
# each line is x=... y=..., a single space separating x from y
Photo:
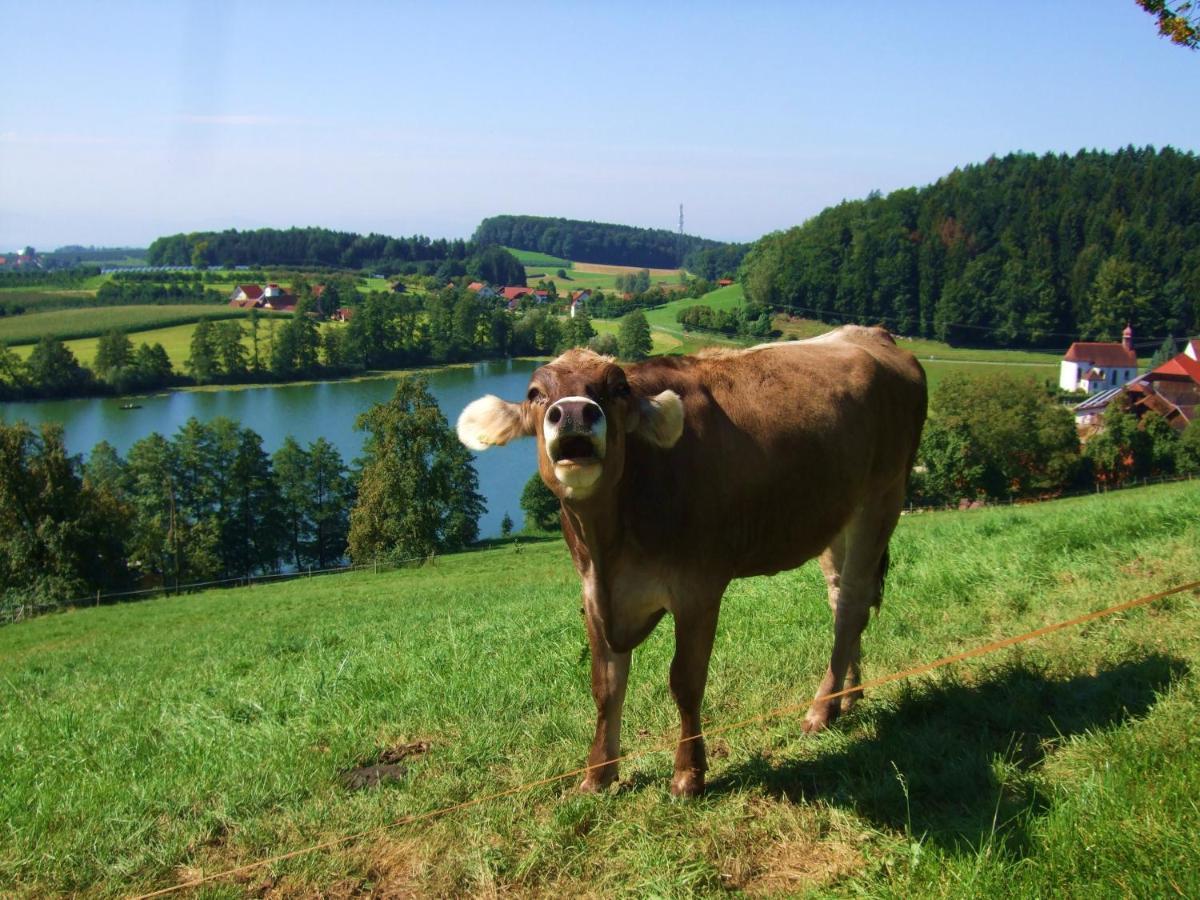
x=622 y=390
x=535 y=395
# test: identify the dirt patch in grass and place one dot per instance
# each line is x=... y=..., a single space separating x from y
x=795 y=866
x=386 y=768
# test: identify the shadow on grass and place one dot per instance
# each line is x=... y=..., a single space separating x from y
x=951 y=763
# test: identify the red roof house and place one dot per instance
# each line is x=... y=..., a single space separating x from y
x=246 y=292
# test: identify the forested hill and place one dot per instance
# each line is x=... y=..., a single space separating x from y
x=595 y=242
x=302 y=247
x=1023 y=250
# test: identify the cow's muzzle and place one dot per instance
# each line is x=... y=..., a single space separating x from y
x=574 y=429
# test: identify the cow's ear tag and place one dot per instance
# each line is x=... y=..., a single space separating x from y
x=658 y=420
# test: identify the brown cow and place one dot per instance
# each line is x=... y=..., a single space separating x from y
x=679 y=474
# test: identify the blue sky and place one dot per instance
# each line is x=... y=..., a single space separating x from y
x=122 y=121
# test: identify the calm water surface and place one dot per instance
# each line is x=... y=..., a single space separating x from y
x=306 y=412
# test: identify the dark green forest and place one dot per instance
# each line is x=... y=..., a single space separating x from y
x=1017 y=251
x=595 y=242
x=302 y=247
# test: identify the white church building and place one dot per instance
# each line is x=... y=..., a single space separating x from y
x=1095 y=366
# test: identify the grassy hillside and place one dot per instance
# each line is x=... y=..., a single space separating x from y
x=147 y=743
x=530 y=258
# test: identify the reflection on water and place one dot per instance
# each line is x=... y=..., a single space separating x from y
x=306 y=412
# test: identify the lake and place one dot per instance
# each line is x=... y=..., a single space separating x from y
x=306 y=412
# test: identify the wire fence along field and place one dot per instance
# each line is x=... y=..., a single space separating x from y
x=21 y=611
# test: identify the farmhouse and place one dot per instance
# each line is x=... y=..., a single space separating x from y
x=1172 y=390
x=251 y=296
x=482 y=291
x=1095 y=366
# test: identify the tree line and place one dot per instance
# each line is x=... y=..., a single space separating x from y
x=1018 y=251
x=598 y=242
x=385 y=331
x=210 y=504
x=298 y=247
x=748 y=320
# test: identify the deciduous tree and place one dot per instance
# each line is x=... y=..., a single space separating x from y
x=418 y=491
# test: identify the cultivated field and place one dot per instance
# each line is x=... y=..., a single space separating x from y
x=601 y=269
x=591 y=276
x=149 y=743
x=68 y=324
x=176 y=339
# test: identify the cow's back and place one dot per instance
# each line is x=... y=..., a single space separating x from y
x=781 y=444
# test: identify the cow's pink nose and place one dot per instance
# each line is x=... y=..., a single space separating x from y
x=574 y=414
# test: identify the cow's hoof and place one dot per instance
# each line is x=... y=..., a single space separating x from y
x=688 y=784
x=591 y=785
x=848 y=702
x=818 y=719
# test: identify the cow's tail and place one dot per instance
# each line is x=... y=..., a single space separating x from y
x=884 y=562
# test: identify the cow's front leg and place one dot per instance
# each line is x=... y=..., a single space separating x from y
x=694 y=632
x=610 y=673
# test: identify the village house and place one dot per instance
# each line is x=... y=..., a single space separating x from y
x=1094 y=366
x=515 y=293
x=578 y=297
x=1172 y=390
x=246 y=296
x=273 y=297
x=483 y=291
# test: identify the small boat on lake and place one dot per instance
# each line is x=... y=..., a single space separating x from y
x=131 y=406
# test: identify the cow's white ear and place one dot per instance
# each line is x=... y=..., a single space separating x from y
x=659 y=420
x=489 y=421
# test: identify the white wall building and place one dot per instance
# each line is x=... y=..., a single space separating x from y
x=1097 y=366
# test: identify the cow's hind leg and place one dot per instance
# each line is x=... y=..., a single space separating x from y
x=854 y=567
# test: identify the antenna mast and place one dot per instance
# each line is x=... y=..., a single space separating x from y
x=679 y=242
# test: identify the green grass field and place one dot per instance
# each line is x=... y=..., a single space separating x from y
x=580 y=279
x=176 y=339
x=145 y=744
x=535 y=258
x=70 y=324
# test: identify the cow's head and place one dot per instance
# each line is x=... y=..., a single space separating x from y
x=581 y=408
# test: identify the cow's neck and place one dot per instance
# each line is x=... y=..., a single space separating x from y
x=595 y=527
x=596 y=539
